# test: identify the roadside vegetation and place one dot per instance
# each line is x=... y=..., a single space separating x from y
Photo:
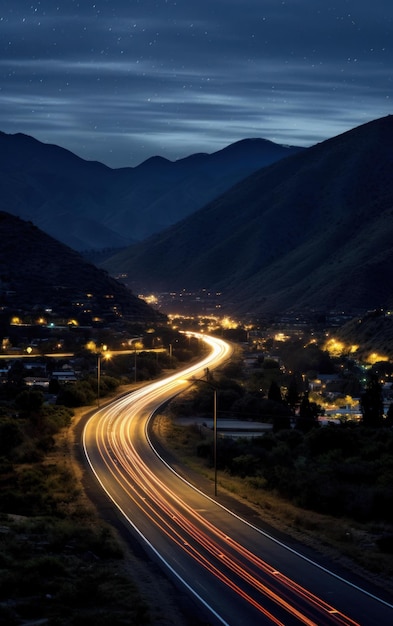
x=329 y=485
x=361 y=542
x=60 y=564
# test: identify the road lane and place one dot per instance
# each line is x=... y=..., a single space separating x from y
x=237 y=572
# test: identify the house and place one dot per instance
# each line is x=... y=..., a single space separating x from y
x=64 y=376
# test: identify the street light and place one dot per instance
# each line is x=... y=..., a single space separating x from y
x=200 y=380
x=215 y=438
x=138 y=345
x=99 y=355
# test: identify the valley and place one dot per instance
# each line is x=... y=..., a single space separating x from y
x=285 y=253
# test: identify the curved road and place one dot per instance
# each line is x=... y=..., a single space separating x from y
x=237 y=573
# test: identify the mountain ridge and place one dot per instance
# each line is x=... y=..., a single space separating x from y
x=89 y=206
x=293 y=234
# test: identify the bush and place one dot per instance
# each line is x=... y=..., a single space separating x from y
x=245 y=465
x=385 y=544
x=76 y=394
x=323 y=440
x=10 y=436
x=204 y=450
x=29 y=401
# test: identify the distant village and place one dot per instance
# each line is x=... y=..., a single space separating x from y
x=50 y=349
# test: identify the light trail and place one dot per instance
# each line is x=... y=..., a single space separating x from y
x=246 y=574
x=160 y=500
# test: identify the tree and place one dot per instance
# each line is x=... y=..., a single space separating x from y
x=76 y=394
x=371 y=403
x=29 y=401
x=308 y=414
x=16 y=374
x=10 y=436
x=274 y=392
x=292 y=396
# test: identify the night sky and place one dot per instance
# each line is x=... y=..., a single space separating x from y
x=119 y=81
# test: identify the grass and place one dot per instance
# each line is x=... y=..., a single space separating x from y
x=60 y=564
x=65 y=573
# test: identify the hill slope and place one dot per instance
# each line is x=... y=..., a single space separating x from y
x=87 y=205
x=313 y=230
x=37 y=272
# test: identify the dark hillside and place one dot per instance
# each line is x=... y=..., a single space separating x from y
x=37 y=271
x=372 y=332
x=89 y=206
x=313 y=230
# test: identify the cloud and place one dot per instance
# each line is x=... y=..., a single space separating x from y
x=122 y=80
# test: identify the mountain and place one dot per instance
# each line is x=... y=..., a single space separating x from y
x=371 y=333
x=38 y=272
x=314 y=230
x=89 y=206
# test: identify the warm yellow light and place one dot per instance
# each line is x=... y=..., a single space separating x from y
x=280 y=337
x=151 y=299
x=335 y=347
x=226 y=322
x=374 y=357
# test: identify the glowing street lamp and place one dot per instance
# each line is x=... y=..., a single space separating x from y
x=99 y=355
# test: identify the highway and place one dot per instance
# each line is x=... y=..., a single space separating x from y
x=233 y=570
